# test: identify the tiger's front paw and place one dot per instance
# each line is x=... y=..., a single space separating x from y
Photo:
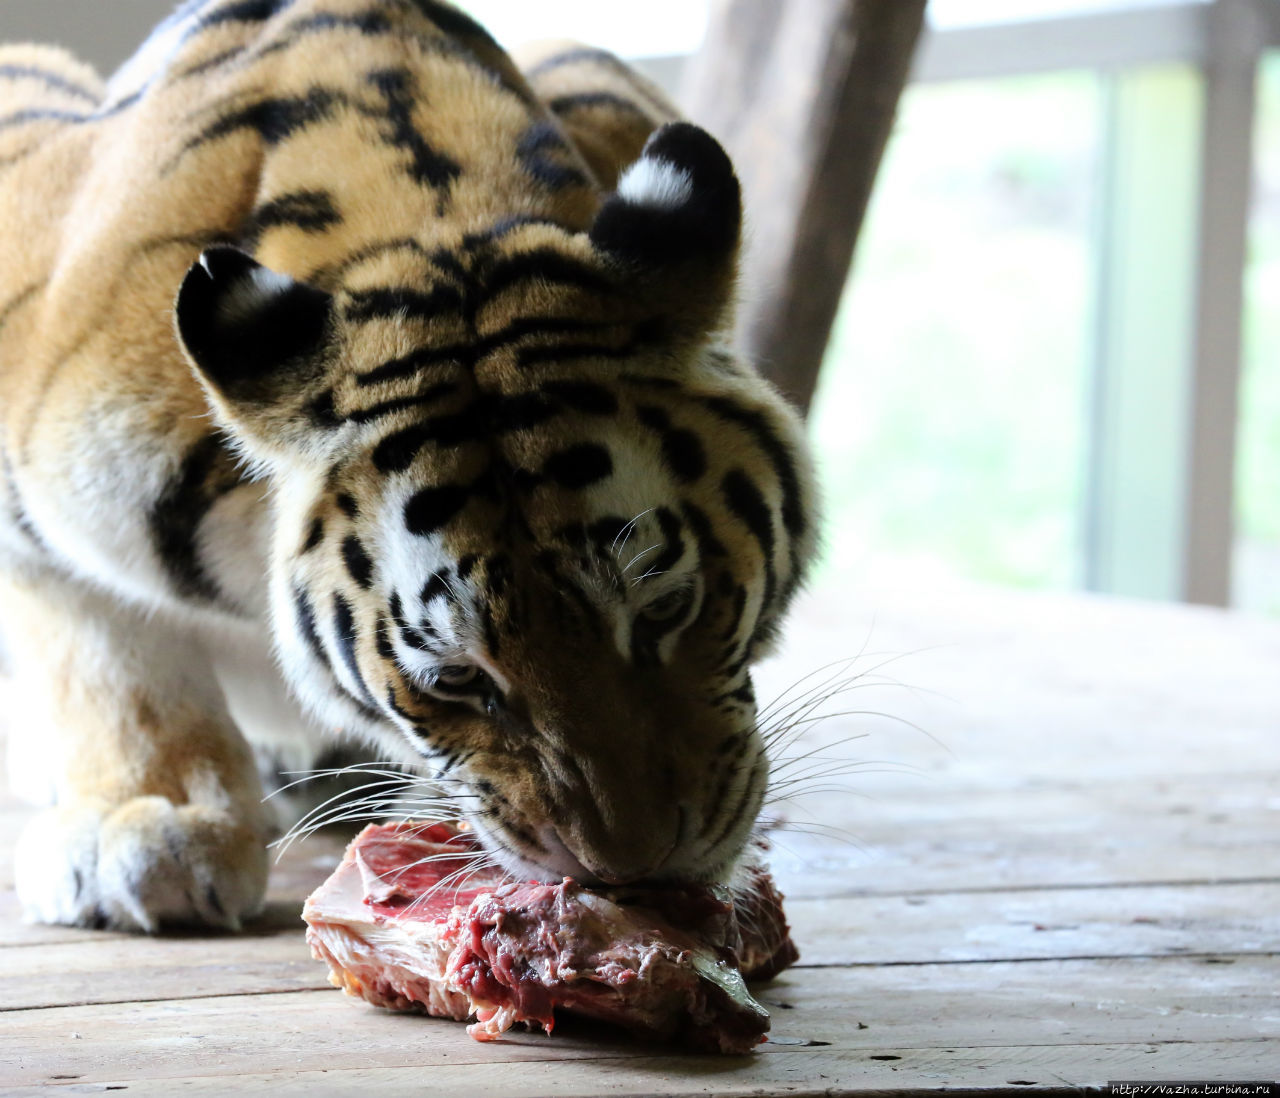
x=141 y=865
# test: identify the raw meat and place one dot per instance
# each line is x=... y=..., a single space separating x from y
x=405 y=923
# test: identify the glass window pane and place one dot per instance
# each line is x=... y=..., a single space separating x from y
x=962 y=13
x=1257 y=555
x=948 y=421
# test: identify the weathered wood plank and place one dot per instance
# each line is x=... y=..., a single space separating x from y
x=803 y=96
x=860 y=1012
x=1041 y=835
x=1038 y=925
x=141 y=969
x=1222 y=920
x=934 y=838
x=809 y=1073
x=1092 y=744
x=1046 y=687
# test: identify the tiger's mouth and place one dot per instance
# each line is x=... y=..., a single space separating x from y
x=553 y=860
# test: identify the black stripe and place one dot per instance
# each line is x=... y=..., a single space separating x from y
x=570 y=352
x=20 y=155
x=682 y=450
x=335 y=271
x=709 y=546
x=755 y=423
x=454 y=22
x=468 y=354
x=523 y=326
x=489 y=629
x=748 y=803
x=15 y=303
x=306 y=619
x=18 y=514
x=315 y=534
x=399 y=404
x=310 y=211
x=369 y=22
x=344 y=631
x=274 y=119
x=411 y=363
x=359 y=566
x=745 y=501
x=435 y=587
x=206 y=474
x=396 y=452
x=430 y=509
x=49 y=79
x=210 y=63
x=564 y=104
x=427 y=167
x=658 y=109
x=507 y=225
x=739 y=607
x=382 y=642
x=574 y=57
x=673 y=548
x=544 y=265
x=244 y=11
x=384 y=303
x=39 y=114
x=538 y=149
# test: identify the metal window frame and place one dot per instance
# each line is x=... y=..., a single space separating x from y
x=1223 y=40
x=1185 y=551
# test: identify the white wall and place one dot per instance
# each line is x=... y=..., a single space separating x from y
x=103 y=32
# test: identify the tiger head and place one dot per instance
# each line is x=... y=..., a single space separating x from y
x=533 y=525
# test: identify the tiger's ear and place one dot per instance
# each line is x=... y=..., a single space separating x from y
x=676 y=220
x=244 y=325
x=257 y=339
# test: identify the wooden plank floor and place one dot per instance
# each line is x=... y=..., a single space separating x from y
x=1060 y=865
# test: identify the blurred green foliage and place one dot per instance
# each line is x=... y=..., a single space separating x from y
x=949 y=421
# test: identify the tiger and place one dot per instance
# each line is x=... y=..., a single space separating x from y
x=361 y=382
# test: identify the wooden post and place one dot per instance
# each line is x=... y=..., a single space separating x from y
x=803 y=97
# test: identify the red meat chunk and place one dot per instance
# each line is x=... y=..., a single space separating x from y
x=405 y=923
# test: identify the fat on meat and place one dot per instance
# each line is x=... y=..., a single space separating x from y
x=407 y=923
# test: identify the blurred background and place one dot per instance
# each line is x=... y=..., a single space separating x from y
x=1017 y=390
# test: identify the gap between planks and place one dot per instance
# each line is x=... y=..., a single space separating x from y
x=867 y=932
x=1073 y=1005
x=811 y=1073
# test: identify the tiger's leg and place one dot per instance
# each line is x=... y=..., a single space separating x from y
x=157 y=815
x=608 y=109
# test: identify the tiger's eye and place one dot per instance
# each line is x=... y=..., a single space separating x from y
x=458 y=674
x=668 y=607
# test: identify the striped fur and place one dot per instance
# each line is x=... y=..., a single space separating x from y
x=333 y=332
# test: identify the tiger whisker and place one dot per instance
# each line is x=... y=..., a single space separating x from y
x=626 y=531
x=643 y=552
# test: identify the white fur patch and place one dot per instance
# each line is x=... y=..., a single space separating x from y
x=657 y=184
x=248 y=295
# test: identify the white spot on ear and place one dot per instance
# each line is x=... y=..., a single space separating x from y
x=249 y=294
x=657 y=184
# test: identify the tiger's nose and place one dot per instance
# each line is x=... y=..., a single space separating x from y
x=620 y=863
